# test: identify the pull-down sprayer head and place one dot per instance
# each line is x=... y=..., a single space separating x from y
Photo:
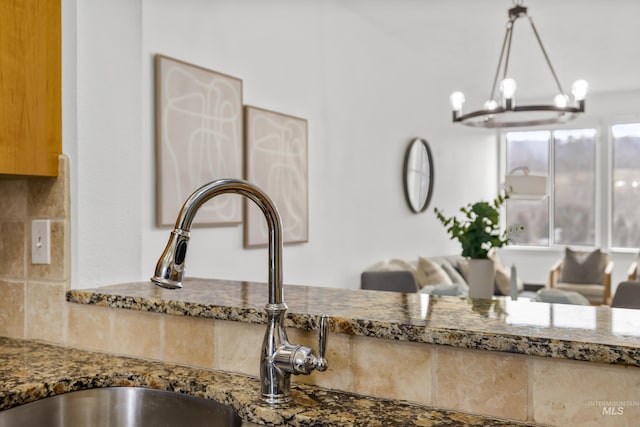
x=170 y=266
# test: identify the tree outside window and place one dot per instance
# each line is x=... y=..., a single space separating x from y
x=574 y=217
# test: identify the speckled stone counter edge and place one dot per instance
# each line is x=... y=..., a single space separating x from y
x=502 y=340
x=32 y=370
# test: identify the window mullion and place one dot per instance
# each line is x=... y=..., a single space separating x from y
x=552 y=189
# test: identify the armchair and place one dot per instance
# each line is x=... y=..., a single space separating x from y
x=588 y=273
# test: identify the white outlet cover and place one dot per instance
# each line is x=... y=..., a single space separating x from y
x=41 y=241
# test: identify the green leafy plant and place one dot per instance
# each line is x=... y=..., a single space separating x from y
x=479 y=231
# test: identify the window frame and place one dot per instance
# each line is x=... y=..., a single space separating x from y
x=603 y=168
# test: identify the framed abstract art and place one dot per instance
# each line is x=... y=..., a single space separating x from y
x=276 y=161
x=198 y=139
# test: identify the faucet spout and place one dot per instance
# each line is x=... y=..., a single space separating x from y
x=278 y=359
x=170 y=267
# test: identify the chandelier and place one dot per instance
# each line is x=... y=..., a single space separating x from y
x=508 y=113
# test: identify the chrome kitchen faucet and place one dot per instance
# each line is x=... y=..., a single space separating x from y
x=278 y=359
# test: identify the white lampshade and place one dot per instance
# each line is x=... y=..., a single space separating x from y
x=526 y=187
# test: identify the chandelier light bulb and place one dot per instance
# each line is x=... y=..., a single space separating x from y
x=457 y=100
x=490 y=105
x=561 y=100
x=579 y=89
x=508 y=88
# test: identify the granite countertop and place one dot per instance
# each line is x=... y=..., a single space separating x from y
x=31 y=370
x=594 y=334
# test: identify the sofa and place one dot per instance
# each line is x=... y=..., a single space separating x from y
x=435 y=275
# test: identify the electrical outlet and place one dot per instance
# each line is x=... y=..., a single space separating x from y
x=41 y=241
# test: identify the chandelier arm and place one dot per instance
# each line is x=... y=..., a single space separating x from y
x=546 y=57
x=506 y=62
x=504 y=44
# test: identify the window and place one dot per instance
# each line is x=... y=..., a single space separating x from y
x=574 y=195
x=625 y=218
x=568 y=158
x=531 y=150
x=576 y=212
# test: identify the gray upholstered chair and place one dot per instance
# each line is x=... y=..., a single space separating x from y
x=588 y=273
x=397 y=281
x=627 y=295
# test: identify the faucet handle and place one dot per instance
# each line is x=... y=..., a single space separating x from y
x=321 y=363
x=299 y=359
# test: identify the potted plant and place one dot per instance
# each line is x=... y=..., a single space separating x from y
x=479 y=232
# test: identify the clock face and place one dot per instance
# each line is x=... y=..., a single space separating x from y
x=418 y=175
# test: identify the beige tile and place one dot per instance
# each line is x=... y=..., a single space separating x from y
x=57 y=269
x=482 y=382
x=338 y=375
x=88 y=326
x=49 y=197
x=189 y=340
x=12 y=249
x=13 y=199
x=136 y=333
x=392 y=369
x=12 y=309
x=45 y=311
x=585 y=394
x=238 y=346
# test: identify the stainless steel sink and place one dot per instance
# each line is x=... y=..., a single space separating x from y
x=121 y=407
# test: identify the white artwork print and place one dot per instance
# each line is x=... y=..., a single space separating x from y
x=276 y=152
x=199 y=134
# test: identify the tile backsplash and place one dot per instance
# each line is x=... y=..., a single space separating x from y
x=32 y=295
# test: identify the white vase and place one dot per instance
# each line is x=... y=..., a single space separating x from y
x=482 y=276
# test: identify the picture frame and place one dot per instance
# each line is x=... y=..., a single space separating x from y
x=276 y=151
x=199 y=138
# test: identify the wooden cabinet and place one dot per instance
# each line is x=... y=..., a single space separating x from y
x=30 y=87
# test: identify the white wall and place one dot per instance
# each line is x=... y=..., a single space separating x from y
x=107 y=152
x=365 y=90
x=364 y=95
